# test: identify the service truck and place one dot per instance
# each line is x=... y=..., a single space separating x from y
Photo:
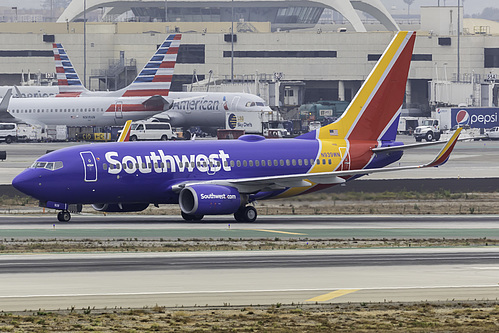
x=445 y=119
x=262 y=123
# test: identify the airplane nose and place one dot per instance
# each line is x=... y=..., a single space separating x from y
x=26 y=182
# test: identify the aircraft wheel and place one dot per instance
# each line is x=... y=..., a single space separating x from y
x=246 y=214
x=190 y=217
x=249 y=214
x=64 y=216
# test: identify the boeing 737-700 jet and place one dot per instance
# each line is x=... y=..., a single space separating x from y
x=145 y=97
x=224 y=177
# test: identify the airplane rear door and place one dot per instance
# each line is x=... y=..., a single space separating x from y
x=118 y=110
x=89 y=165
x=345 y=155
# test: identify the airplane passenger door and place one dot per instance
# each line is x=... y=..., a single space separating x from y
x=235 y=101
x=118 y=110
x=345 y=155
x=89 y=165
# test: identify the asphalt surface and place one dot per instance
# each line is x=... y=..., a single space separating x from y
x=233 y=261
x=269 y=227
x=62 y=281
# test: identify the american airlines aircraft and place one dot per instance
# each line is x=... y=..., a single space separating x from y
x=145 y=97
x=213 y=177
x=205 y=109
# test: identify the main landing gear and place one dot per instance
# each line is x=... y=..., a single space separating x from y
x=191 y=217
x=64 y=216
x=246 y=214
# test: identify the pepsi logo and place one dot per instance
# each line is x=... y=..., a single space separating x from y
x=462 y=117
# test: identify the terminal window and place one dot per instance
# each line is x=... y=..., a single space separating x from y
x=491 y=57
x=281 y=54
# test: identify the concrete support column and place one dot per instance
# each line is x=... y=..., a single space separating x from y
x=408 y=93
x=341 y=90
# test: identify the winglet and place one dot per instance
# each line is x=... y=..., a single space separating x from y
x=4 y=104
x=125 y=132
x=444 y=154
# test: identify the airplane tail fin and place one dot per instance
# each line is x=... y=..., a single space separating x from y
x=156 y=76
x=68 y=80
x=373 y=113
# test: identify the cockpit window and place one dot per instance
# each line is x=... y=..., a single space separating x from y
x=260 y=104
x=47 y=165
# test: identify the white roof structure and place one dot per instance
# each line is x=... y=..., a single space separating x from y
x=287 y=12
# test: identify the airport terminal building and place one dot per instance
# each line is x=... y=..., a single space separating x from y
x=274 y=40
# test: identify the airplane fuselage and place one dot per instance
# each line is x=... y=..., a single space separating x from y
x=81 y=111
x=145 y=172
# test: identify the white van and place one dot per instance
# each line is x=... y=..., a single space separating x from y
x=8 y=132
x=152 y=131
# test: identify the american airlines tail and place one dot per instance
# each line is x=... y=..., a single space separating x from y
x=67 y=79
x=154 y=79
x=373 y=113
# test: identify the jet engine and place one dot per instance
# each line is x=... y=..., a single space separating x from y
x=205 y=199
x=120 y=208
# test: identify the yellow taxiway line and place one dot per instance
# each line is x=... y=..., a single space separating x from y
x=331 y=295
x=278 y=232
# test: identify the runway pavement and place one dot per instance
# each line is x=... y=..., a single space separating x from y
x=136 y=280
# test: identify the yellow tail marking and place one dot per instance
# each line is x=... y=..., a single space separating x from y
x=331 y=295
x=340 y=128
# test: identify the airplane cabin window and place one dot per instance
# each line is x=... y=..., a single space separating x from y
x=245 y=163
x=329 y=161
x=263 y=163
x=281 y=162
x=318 y=162
x=226 y=164
x=311 y=162
x=257 y=163
x=238 y=163
x=293 y=162
x=288 y=162
x=323 y=161
x=299 y=162
x=104 y=166
x=250 y=163
x=232 y=164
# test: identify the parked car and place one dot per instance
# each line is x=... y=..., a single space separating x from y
x=493 y=133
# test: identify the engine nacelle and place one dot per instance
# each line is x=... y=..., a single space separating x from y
x=209 y=200
x=120 y=208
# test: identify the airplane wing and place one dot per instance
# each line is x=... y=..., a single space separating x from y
x=158 y=101
x=255 y=184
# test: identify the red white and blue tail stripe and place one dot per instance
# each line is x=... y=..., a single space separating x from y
x=67 y=78
x=156 y=77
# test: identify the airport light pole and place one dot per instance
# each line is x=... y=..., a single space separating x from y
x=166 y=10
x=232 y=45
x=84 y=43
x=458 y=40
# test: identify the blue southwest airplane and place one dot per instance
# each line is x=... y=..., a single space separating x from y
x=212 y=177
